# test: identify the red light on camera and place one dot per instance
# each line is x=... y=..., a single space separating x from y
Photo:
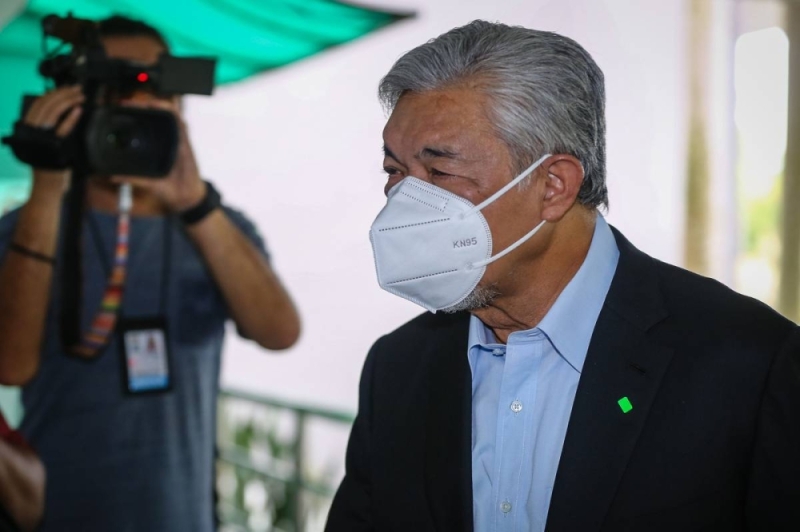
x=142 y=77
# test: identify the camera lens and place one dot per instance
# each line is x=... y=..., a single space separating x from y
x=131 y=141
x=123 y=139
x=123 y=134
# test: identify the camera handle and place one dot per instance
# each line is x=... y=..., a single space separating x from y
x=72 y=265
x=72 y=269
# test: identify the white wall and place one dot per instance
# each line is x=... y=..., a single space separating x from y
x=299 y=150
x=10 y=9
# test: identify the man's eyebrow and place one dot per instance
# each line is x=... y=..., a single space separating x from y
x=429 y=152
x=388 y=153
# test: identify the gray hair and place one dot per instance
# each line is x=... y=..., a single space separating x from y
x=546 y=92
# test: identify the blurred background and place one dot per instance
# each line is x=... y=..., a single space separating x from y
x=703 y=103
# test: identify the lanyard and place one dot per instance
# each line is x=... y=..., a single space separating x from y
x=105 y=320
x=166 y=259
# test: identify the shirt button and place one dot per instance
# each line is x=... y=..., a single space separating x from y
x=516 y=406
x=498 y=352
x=505 y=507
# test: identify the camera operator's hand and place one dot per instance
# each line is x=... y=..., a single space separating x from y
x=182 y=188
x=46 y=112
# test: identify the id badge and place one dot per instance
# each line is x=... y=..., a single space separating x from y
x=146 y=357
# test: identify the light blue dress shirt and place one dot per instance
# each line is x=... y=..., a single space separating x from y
x=522 y=395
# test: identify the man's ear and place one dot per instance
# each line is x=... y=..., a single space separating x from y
x=562 y=184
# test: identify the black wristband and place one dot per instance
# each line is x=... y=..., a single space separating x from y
x=22 y=250
x=210 y=201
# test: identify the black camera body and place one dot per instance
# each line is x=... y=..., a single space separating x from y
x=109 y=139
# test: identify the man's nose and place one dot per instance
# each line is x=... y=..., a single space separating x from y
x=420 y=171
x=139 y=96
x=390 y=183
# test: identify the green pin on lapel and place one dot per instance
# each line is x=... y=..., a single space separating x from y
x=625 y=404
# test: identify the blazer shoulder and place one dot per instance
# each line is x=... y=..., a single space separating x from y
x=709 y=304
x=410 y=347
x=690 y=308
x=427 y=326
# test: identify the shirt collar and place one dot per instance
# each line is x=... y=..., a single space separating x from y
x=570 y=322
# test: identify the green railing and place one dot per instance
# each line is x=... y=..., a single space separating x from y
x=265 y=478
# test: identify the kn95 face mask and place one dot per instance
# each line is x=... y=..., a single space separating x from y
x=432 y=246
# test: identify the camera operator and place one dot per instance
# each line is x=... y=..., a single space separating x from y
x=121 y=453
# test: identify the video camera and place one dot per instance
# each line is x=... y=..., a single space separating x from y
x=109 y=139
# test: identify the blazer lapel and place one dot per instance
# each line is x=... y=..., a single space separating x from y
x=621 y=363
x=448 y=445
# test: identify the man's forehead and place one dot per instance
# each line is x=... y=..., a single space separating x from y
x=446 y=105
x=140 y=49
x=436 y=123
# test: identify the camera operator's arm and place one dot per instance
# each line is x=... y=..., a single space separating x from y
x=258 y=302
x=25 y=273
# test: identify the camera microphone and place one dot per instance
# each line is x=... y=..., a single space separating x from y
x=76 y=31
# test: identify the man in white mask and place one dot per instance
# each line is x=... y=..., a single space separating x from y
x=570 y=382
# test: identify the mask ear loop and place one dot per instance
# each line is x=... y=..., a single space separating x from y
x=506 y=188
x=510 y=248
x=492 y=198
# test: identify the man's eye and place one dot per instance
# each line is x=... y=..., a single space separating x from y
x=437 y=173
x=390 y=171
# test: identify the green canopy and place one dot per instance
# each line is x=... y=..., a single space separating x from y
x=247 y=36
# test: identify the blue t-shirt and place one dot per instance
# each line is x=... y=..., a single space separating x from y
x=120 y=462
